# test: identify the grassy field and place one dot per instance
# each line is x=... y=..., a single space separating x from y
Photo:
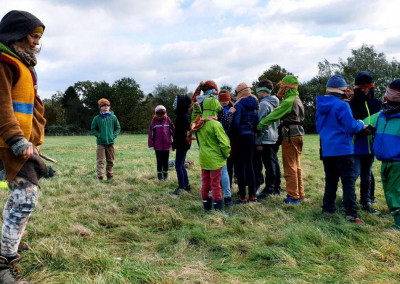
x=131 y=230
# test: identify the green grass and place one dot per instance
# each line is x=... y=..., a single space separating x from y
x=131 y=230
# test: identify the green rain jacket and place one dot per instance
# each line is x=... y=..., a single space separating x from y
x=213 y=142
x=106 y=129
x=290 y=111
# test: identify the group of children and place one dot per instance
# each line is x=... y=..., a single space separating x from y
x=239 y=138
x=235 y=139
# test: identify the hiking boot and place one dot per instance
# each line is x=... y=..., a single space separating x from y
x=240 y=201
x=187 y=188
x=207 y=204
x=227 y=201
x=23 y=247
x=277 y=191
x=176 y=191
x=10 y=271
x=354 y=219
x=159 y=175
x=100 y=178
x=109 y=177
x=290 y=200
x=370 y=210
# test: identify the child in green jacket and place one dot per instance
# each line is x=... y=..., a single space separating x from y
x=105 y=127
x=214 y=150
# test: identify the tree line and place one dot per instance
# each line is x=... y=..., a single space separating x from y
x=71 y=112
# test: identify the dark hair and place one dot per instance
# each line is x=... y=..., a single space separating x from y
x=265 y=83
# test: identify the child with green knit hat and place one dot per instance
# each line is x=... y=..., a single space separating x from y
x=291 y=114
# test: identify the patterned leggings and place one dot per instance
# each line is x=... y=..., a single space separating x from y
x=16 y=213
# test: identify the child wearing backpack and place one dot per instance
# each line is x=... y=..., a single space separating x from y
x=160 y=140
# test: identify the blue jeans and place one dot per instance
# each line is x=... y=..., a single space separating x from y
x=226 y=186
x=363 y=166
x=181 y=172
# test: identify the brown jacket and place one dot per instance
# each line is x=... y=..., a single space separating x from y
x=9 y=125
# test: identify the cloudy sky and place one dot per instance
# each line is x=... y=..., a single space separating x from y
x=186 y=41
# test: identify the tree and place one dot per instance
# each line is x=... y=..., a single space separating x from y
x=165 y=95
x=75 y=112
x=54 y=111
x=366 y=58
x=128 y=103
x=275 y=73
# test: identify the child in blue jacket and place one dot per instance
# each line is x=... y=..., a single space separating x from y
x=336 y=127
x=386 y=149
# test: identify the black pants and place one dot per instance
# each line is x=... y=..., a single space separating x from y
x=342 y=167
x=269 y=158
x=162 y=161
x=244 y=148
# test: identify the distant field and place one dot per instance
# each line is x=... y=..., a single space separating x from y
x=131 y=230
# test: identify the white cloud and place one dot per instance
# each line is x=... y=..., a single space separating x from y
x=183 y=42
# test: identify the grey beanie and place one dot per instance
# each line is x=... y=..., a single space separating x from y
x=16 y=25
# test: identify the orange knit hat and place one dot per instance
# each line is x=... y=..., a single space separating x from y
x=102 y=102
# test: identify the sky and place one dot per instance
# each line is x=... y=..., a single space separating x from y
x=186 y=41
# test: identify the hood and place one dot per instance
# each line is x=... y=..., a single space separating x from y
x=273 y=100
x=249 y=103
x=211 y=107
x=326 y=103
x=183 y=104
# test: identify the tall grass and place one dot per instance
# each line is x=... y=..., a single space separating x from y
x=131 y=230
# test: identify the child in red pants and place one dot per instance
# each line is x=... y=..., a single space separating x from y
x=214 y=150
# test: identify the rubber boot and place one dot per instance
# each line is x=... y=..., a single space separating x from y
x=160 y=175
x=207 y=204
x=218 y=205
x=227 y=201
x=165 y=175
x=10 y=271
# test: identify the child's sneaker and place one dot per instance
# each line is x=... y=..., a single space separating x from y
x=176 y=191
x=354 y=219
x=290 y=200
x=369 y=209
x=253 y=199
x=240 y=201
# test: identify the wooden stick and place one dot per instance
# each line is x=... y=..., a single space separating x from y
x=48 y=158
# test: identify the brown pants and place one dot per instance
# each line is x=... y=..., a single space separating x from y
x=291 y=157
x=107 y=152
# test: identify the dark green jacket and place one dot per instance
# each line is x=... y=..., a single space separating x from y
x=106 y=129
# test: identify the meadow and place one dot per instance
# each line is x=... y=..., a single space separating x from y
x=131 y=230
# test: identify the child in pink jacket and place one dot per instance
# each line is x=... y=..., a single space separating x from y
x=160 y=140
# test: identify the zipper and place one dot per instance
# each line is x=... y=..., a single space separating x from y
x=369 y=122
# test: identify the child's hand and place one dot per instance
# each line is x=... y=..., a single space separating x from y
x=259 y=148
x=232 y=110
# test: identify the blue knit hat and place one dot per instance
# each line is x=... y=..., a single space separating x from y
x=336 y=81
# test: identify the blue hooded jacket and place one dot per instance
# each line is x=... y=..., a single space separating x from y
x=245 y=119
x=336 y=126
